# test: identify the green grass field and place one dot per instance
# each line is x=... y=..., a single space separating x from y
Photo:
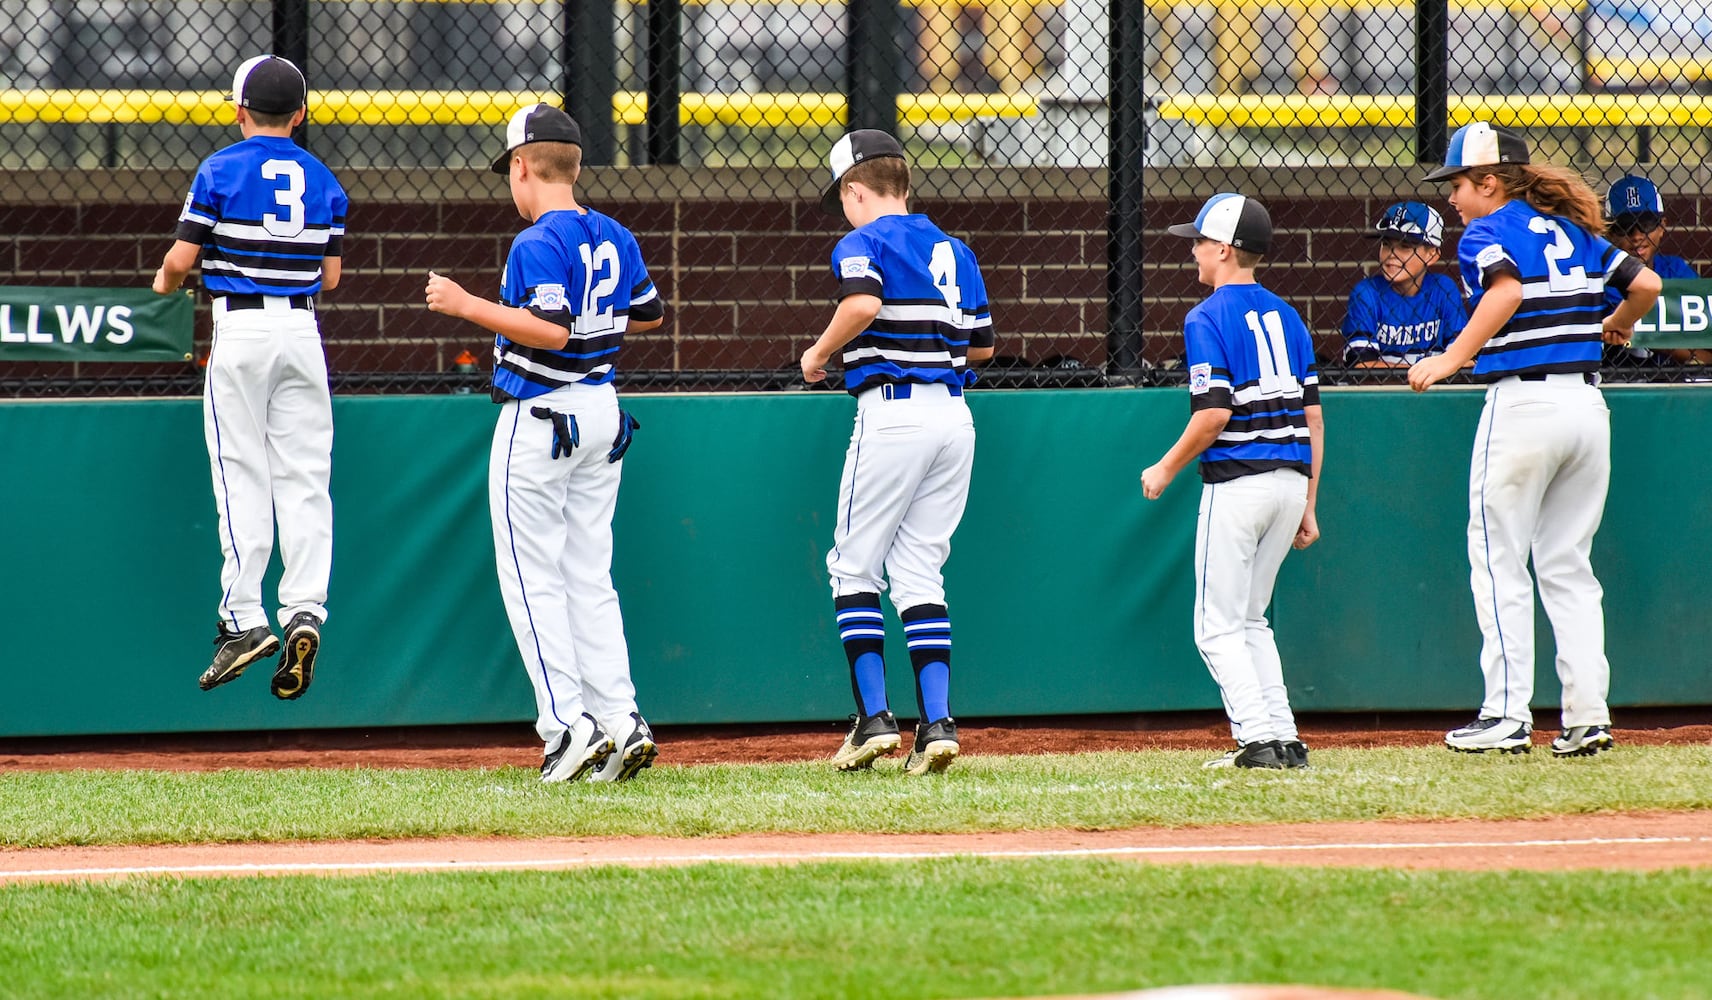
x=959 y=927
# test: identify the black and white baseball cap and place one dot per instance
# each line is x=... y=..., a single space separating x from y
x=270 y=85
x=862 y=144
x=1230 y=218
x=537 y=123
x=1480 y=144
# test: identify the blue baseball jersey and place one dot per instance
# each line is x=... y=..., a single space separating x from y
x=583 y=271
x=1666 y=266
x=933 y=303
x=1564 y=271
x=1249 y=353
x=1382 y=325
x=265 y=213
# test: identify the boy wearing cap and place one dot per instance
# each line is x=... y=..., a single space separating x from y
x=267 y=220
x=1635 y=210
x=912 y=313
x=574 y=284
x=1255 y=425
x=1405 y=312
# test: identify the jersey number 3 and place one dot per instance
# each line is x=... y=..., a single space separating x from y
x=1270 y=352
x=289 y=197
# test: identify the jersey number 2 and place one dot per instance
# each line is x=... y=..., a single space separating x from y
x=943 y=266
x=1270 y=352
x=1560 y=249
x=601 y=258
x=289 y=197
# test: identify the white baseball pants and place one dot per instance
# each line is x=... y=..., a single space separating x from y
x=267 y=414
x=1537 y=482
x=905 y=484
x=552 y=538
x=1244 y=531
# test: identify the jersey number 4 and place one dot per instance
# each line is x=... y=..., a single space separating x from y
x=1270 y=352
x=289 y=197
x=943 y=266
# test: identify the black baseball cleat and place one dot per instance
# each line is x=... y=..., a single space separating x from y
x=1295 y=753
x=1582 y=741
x=1267 y=754
x=870 y=736
x=297 y=666
x=235 y=651
x=935 y=747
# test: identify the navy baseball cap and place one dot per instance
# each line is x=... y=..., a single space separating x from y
x=536 y=123
x=1480 y=144
x=269 y=84
x=1410 y=222
x=1634 y=203
x=862 y=144
x=1230 y=218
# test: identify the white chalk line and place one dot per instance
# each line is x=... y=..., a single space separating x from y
x=708 y=857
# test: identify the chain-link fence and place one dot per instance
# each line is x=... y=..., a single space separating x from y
x=1059 y=139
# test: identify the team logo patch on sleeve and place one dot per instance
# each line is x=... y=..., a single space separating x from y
x=1490 y=255
x=549 y=298
x=1200 y=378
x=853 y=267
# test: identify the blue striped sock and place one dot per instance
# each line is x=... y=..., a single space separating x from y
x=862 y=630
x=927 y=628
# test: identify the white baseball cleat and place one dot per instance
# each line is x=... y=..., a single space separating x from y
x=583 y=747
x=636 y=750
x=1483 y=734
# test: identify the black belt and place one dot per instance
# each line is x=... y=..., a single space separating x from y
x=260 y=301
x=901 y=390
x=1589 y=377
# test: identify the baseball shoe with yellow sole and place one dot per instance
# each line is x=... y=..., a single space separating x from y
x=581 y=749
x=297 y=665
x=871 y=737
x=1583 y=741
x=235 y=651
x=1485 y=734
x=935 y=748
x=635 y=751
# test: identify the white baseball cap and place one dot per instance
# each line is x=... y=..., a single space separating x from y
x=1230 y=218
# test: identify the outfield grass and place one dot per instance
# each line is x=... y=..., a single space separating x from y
x=1088 y=791
x=945 y=928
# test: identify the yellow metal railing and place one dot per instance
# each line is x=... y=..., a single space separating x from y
x=432 y=107
x=1338 y=111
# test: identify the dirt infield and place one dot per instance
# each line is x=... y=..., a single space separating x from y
x=1635 y=842
x=516 y=746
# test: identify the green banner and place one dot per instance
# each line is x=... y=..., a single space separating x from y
x=93 y=324
x=1682 y=318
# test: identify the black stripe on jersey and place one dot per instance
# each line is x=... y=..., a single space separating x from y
x=1587 y=320
x=555 y=378
x=242 y=245
x=860 y=286
x=335 y=247
x=1554 y=368
x=1503 y=265
x=1624 y=274
x=1215 y=398
x=1227 y=469
x=640 y=287
x=193 y=232
x=557 y=317
x=1494 y=347
x=902 y=328
x=1266 y=420
x=252 y=262
x=649 y=311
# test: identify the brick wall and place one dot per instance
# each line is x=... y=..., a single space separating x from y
x=746 y=278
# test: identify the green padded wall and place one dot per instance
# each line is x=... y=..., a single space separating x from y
x=1068 y=591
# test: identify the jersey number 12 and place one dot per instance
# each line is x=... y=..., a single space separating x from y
x=602 y=259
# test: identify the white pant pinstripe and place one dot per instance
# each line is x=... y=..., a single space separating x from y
x=267 y=415
x=1244 y=531
x=552 y=536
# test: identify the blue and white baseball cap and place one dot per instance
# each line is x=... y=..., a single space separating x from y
x=536 y=123
x=1480 y=144
x=1230 y=218
x=1410 y=222
x=1634 y=203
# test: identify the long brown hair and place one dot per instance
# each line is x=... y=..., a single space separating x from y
x=1551 y=189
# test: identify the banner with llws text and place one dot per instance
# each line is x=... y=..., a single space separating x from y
x=1682 y=318
x=94 y=324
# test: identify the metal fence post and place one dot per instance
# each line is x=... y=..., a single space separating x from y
x=591 y=75
x=291 y=41
x=1432 y=80
x=1125 y=136
x=874 y=79
x=665 y=48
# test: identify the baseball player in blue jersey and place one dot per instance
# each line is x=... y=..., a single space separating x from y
x=1536 y=270
x=268 y=221
x=1404 y=312
x=1635 y=210
x=912 y=312
x=1255 y=425
x=574 y=284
